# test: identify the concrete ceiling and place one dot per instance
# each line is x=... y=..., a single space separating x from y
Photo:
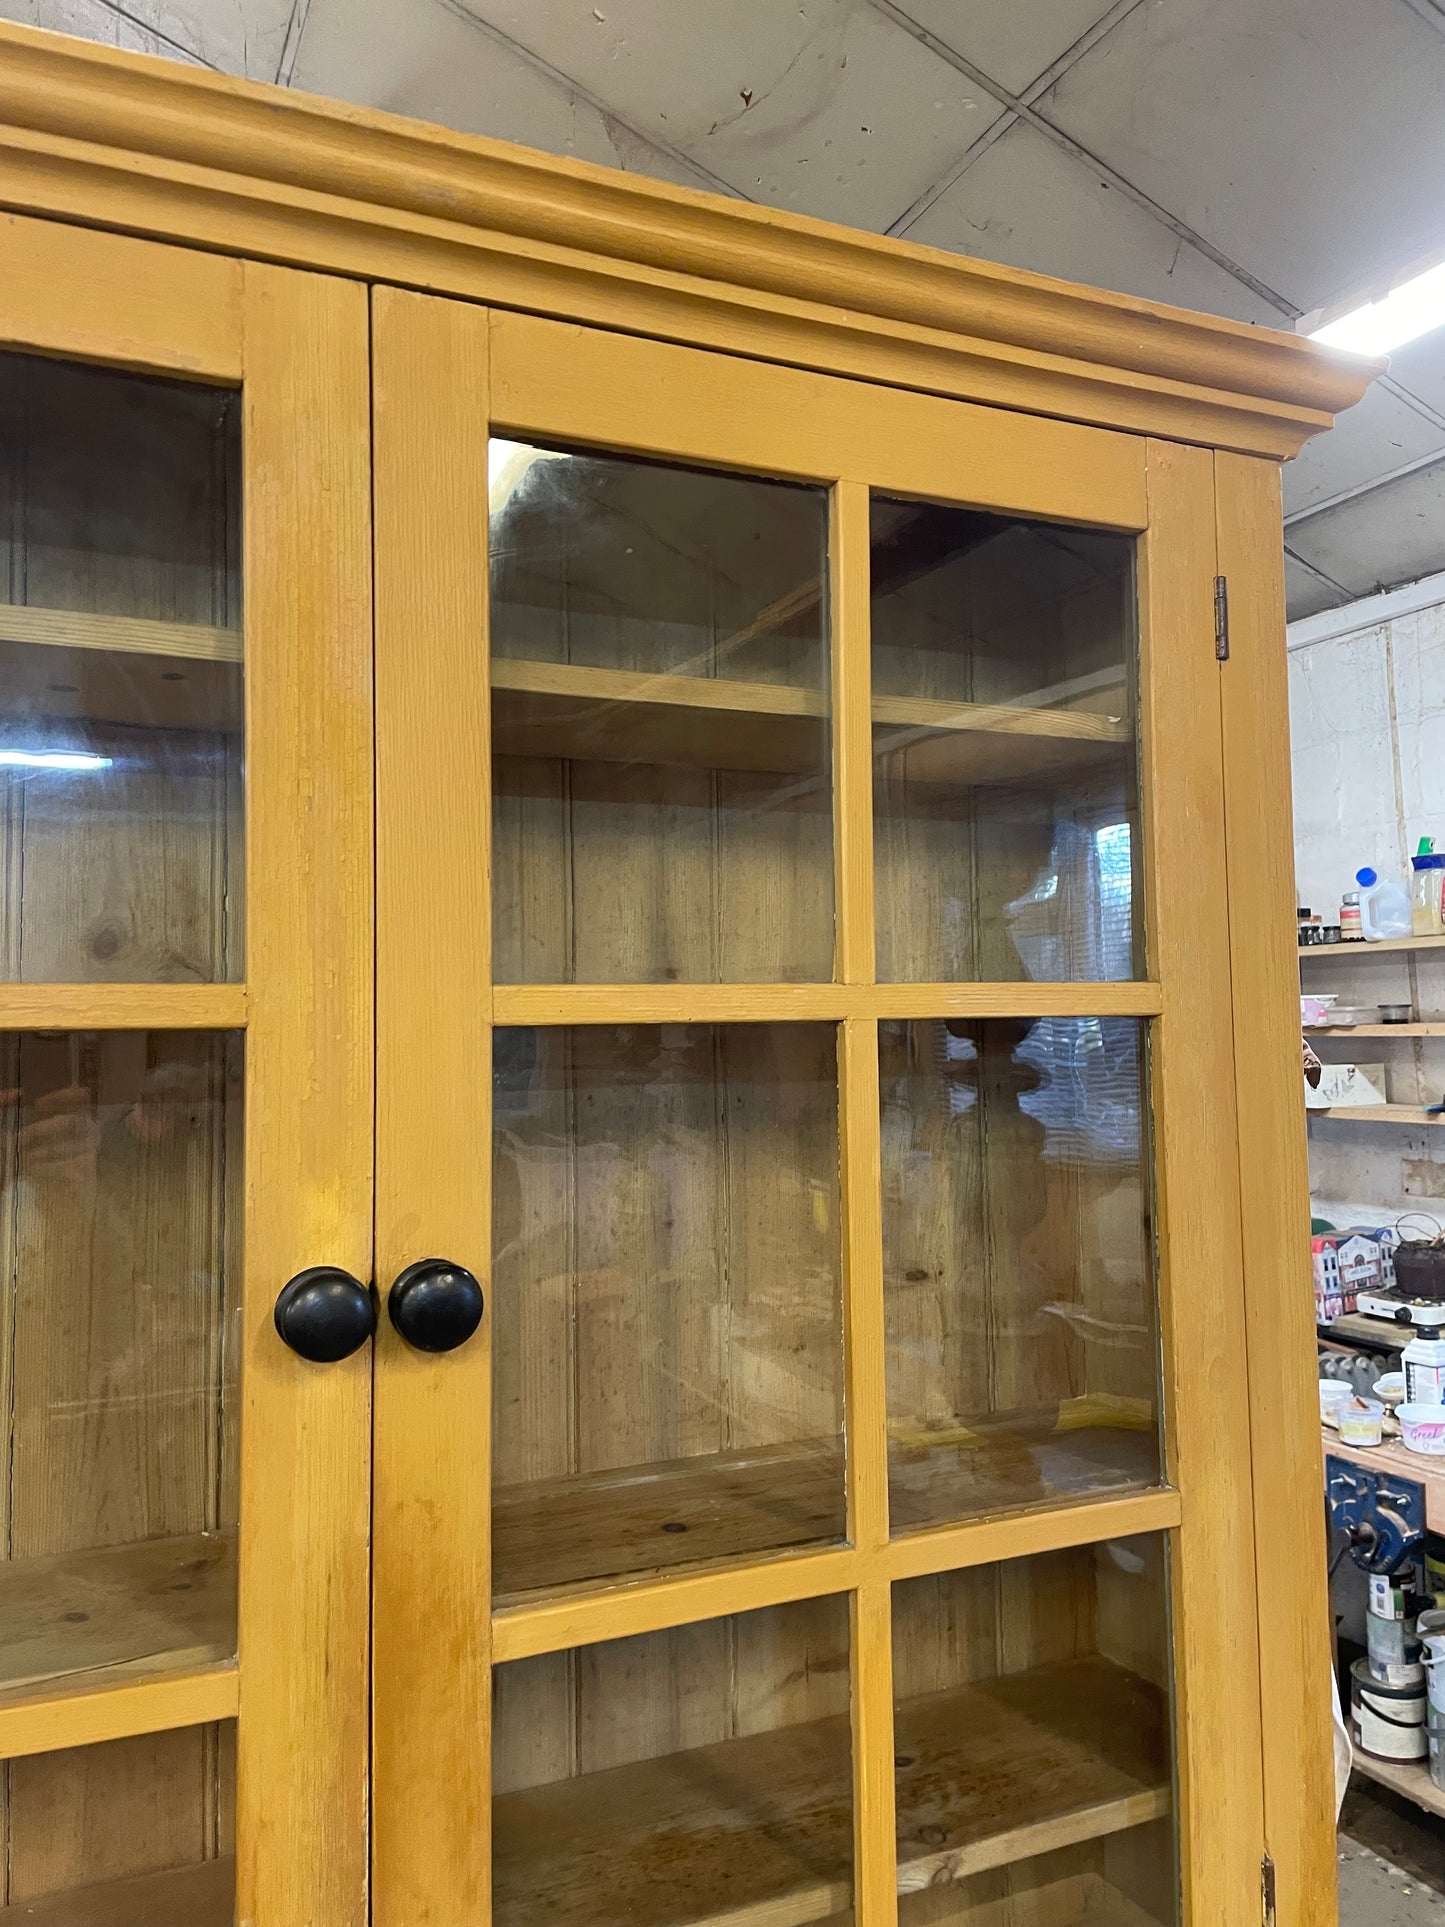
x=1259 y=158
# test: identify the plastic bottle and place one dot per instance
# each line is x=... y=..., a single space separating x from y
x=1424 y=1362
x=1427 y=912
x=1384 y=907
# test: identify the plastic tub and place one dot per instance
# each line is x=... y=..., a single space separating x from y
x=1422 y=1427
x=1390 y=1389
x=1362 y=1420
x=1333 y=1393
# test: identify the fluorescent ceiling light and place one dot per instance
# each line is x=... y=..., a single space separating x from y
x=507 y=463
x=66 y=759
x=1404 y=314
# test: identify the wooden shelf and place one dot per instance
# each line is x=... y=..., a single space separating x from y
x=560 y=710
x=1410 y=1777
x=131 y=635
x=203 y=1895
x=1376 y=1114
x=117 y=1614
x=1375 y=1030
x=644 y=1519
x=759 y=1829
x=1317 y=952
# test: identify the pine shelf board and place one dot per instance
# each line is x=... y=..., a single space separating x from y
x=1376 y=1114
x=756 y=1831
x=570 y=711
x=1409 y=1777
x=131 y=635
x=640 y=1520
x=120 y=1613
x=1319 y=952
x=203 y=1895
x=1376 y=1030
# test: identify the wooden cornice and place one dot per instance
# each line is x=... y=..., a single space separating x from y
x=147 y=146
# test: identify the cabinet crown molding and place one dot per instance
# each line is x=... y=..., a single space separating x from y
x=127 y=141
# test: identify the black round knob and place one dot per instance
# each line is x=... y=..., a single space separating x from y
x=325 y=1314
x=435 y=1305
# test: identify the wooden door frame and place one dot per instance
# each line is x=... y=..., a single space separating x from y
x=555 y=382
x=295 y=344
x=1288 y=1477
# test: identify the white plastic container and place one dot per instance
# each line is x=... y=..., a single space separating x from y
x=1424 y=1362
x=1384 y=907
x=1333 y=1393
x=1362 y=1421
x=1422 y=1428
x=1390 y=1390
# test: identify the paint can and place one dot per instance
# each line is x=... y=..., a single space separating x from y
x=1387 y=1721
x=1390 y=1632
x=1431 y=1629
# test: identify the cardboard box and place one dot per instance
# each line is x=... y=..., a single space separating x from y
x=1349 y=1085
x=1360 y=1258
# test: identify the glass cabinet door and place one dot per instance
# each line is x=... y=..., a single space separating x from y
x=154 y=1156
x=855 y=1522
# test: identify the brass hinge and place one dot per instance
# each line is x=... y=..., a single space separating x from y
x=1266 y=1882
x=1221 y=619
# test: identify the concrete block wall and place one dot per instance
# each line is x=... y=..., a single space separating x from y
x=1367 y=719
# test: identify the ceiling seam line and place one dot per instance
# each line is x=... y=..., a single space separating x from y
x=598 y=106
x=1427 y=11
x=1411 y=400
x=1039 y=85
x=1345 y=595
x=291 y=45
x=159 y=33
x=1179 y=228
x=1360 y=489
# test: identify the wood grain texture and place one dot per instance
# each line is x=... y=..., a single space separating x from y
x=301 y=1827
x=197 y=1896
x=170 y=311
x=649 y=1600
x=557 y=1004
x=1294 y=1646
x=848 y=556
x=557 y=1622
x=864 y=1346
x=756 y=1828
x=1213 y=1595
x=122 y=1007
x=112 y=1613
x=84 y=1715
x=553 y=380
x=432 y=1432
x=82 y=629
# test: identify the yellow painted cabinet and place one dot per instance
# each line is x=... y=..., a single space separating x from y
x=642 y=1270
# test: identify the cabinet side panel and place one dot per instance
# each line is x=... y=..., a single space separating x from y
x=1274 y=1185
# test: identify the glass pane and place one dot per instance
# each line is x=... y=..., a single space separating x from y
x=660 y=723
x=1033 y=1741
x=1022 y=1357
x=701 y=1773
x=135 y=1833
x=1005 y=793
x=120 y=1220
x=120 y=678
x=666 y=1301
